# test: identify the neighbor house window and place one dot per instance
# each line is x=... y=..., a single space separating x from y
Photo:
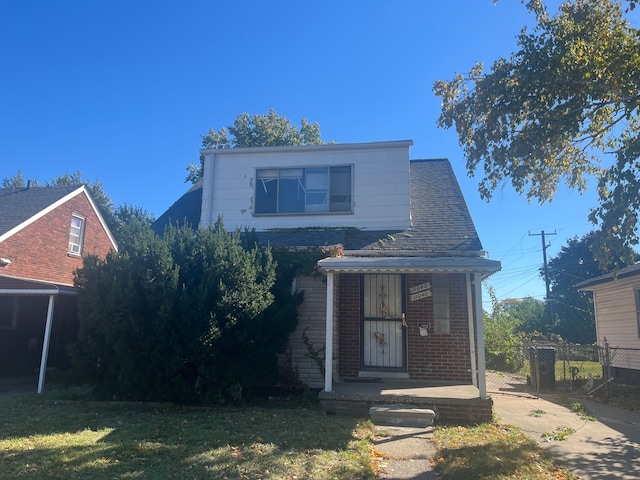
x=637 y=291
x=441 y=303
x=76 y=234
x=8 y=312
x=304 y=190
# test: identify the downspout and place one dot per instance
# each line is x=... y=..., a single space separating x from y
x=328 y=358
x=482 y=373
x=45 y=344
x=472 y=340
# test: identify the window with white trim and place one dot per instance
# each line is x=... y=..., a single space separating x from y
x=304 y=190
x=441 y=303
x=76 y=234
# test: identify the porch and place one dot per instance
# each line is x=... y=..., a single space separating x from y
x=452 y=403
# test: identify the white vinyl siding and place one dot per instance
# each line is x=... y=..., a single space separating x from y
x=637 y=295
x=379 y=186
x=616 y=310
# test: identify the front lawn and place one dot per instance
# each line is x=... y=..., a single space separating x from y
x=41 y=437
x=48 y=437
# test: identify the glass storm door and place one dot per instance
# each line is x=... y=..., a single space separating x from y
x=383 y=335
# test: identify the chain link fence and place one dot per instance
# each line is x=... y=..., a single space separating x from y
x=527 y=369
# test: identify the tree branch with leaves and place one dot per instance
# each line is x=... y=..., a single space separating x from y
x=563 y=109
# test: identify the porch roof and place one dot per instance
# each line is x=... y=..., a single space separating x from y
x=25 y=286
x=409 y=265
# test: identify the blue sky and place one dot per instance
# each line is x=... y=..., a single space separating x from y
x=123 y=90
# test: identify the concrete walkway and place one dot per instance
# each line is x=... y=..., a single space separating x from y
x=607 y=448
x=406 y=452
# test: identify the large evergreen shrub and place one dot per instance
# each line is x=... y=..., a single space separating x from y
x=181 y=318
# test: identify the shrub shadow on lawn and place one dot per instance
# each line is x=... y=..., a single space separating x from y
x=43 y=437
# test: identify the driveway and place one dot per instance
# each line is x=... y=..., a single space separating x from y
x=607 y=448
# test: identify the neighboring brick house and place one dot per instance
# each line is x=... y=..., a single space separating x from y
x=44 y=232
x=403 y=297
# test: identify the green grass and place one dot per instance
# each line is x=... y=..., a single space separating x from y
x=492 y=451
x=563 y=369
x=63 y=435
x=559 y=434
x=43 y=437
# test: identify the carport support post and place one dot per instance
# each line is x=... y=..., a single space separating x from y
x=482 y=373
x=328 y=357
x=45 y=344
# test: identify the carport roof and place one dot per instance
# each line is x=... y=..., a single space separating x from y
x=24 y=286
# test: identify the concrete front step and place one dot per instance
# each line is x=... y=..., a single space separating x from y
x=401 y=416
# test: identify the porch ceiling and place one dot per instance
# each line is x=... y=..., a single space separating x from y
x=410 y=265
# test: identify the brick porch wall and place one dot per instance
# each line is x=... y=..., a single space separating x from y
x=440 y=357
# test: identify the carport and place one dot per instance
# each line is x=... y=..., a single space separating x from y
x=29 y=312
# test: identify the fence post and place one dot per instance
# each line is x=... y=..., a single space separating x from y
x=607 y=367
x=536 y=365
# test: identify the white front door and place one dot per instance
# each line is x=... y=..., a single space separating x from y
x=383 y=334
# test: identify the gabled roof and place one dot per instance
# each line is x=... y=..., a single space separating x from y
x=441 y=222
x=21 y=206
x=609 y=277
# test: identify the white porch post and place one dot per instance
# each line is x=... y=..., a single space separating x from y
x=45 y=344
x=328 y=359
x=482 y=374
x=472 y=341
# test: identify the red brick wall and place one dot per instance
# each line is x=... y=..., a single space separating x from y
x=441 y=357
x=39 y=251
x=444 y=357
x=349 y=325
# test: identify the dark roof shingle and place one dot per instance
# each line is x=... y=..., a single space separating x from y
x=18 y=205
x=185 y=210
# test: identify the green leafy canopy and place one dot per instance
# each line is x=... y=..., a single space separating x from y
x=564 y=108
x=270 y=130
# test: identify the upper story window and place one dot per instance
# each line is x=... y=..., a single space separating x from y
x=304 y=190
x=76 y=234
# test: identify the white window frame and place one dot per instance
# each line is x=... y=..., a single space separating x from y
x=76 y=234
x=310 y=195
x=441 y=304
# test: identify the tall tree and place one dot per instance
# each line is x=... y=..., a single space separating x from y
x=528 y=314
x=573 y=310
x=540 y=117
x=268 y=130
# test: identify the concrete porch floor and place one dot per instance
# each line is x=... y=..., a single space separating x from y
x=453 y=403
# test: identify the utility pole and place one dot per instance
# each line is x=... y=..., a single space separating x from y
x=546 y=272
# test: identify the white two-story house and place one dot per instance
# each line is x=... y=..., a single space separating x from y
x=402 y=298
